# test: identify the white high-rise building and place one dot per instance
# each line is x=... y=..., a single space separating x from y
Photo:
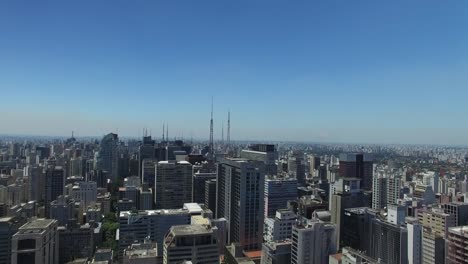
x=280 y=227
x=379 y=192
x=414 y=240
x=393 y=190
x=313 y=242
x=36 y=242
x=195 y=243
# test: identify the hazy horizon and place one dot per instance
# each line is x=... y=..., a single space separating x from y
x=312 y=71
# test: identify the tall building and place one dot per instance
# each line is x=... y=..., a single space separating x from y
x=379 y=193
x=296 y=168
x=263 y=152
x=240 y=194
x=435 y=225
x=355 y=229
x=393 y=190
x=109 y=155
x=36 y=242
x=457 y=241
x=387 y=241
x=55 y=184
x=145 y=151
x=210 y=195
x=85 y=192
x=312 y=242
x=198 y=187
x=459 y=210
x=136 y=226
x=279 y=227
x=357 y=165
x=276 y=252
x=195 y=243
x=346 y=194
x=36 y=181
x=414 y=240
x=8 y=227
x=148 y=167
x=62 y=210
x=277 y=194
x=75 y=242
x=173 y=184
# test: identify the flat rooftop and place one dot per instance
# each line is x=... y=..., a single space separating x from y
x=154 y=212
x=40 y=223
x=184 y=230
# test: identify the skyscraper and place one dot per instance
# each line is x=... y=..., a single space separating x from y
x=145 y=151
x=457 y=240
x=109 y=155
x=195 y=243
x=173 y=184
x=312 y=242
x=8 y=227
x=136 y=226
x=55 y=184
x=36 y=242
x=198 y=188
x=277 y=194
x=379 y=192
x=240 y=187
x=263 y=152
x=296 y=168
x=357 y=165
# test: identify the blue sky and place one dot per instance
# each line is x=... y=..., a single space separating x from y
x=335 y=71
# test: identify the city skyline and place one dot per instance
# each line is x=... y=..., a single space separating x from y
x=359 y=72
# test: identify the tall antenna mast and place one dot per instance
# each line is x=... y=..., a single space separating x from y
x=222 y=132
x=163 y=133
x=211 y=131
x=167 y=132
x=229 y=128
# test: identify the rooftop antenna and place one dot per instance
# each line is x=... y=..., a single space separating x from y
x=229 y=127
x=211 y=130
x=72 y=133
x=163 y=132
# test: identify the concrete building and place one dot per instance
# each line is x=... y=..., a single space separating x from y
x=393 y=190
x=55 y=184
x=234 y=254
x=195 y=243
x=279 y=227
x=210 y=195
x=351 y=256
x=108 y=158
x=265 y=153
x=199 y=186
x=142 y=253
x=62 y=209
x=312 y=242
x=459 y=210
x=355 y=230
x=276 y=252
x=149 y=172
x=346 y=194
x=296 y=168
x=387 y=241
x=414 y=240
x=457 y=241
x=146 y=198
x=36 y=242
x=379 y=193
x=173 y=184
x=8 y=227
x=137 y=225
x=84 y=192
x=357 y=165
x=277 y=194
x=75 y=241
x=240 y=194
x=435 y=225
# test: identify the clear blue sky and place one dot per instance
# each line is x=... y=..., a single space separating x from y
x=340 y=71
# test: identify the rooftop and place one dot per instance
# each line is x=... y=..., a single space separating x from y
x=40 y=223
x=153 y=212
x=184 y=230
x=459 y=230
